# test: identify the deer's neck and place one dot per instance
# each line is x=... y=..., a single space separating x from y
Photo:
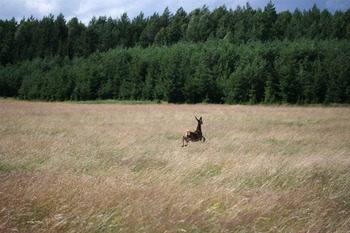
x=199 y=127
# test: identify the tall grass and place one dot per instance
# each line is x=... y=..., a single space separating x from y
x=67 y=167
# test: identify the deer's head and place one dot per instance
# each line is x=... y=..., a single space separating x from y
x=199 y=120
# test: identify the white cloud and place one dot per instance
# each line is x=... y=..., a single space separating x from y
x=338 y=4
x=110 y=8
x=41 y=6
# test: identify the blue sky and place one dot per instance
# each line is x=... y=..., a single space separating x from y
x=84 y=10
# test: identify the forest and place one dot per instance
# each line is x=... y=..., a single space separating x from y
x=229 y=56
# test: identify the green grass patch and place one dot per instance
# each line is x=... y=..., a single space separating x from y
x=204 y=173
x=145 y=163
x=5 y=168
x=172 y=136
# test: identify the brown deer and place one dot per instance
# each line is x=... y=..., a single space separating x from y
x=194 y=136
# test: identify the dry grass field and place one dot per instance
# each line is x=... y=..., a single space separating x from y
x=68 y=167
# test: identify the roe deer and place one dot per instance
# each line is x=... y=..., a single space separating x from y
x=194 y=136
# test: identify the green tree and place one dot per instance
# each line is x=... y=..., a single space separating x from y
x=177 y=26
x=220 y=19
x=269 y=19
x=200 y=25
x=25 y=39
x=75 y=38
x=7 y=41
x=46 y=41
x=137 y=26
x=325 y=25
x=149 y=33
x=91 y=38
x=312 y=18
x=338 y=85
x=60 y=34
x=338 y=25
x=125 y=31
x=295 y=29
x=281 y=25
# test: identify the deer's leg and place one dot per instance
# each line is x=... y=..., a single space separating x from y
x=186 y=137
x=183 y=141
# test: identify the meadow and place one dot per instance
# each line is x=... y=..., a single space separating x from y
x=68 y=167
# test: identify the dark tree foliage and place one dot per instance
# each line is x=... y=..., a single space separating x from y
x=220 y=56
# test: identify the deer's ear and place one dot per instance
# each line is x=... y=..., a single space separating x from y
x=200 y=118
x=196 y=118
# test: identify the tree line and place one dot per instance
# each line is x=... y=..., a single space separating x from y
x=224 y=56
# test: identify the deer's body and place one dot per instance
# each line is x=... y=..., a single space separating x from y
x=194 y=136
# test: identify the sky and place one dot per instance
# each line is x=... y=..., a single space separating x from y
x=84 y=10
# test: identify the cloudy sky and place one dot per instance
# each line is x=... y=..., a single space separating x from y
x=84 y=10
